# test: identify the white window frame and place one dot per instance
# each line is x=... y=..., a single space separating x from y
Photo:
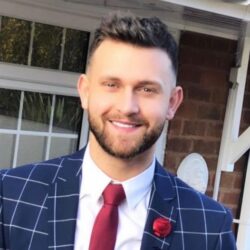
x=52 y=82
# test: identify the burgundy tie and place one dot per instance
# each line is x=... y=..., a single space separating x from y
x=105 y=228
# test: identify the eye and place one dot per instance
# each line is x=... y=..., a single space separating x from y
x=111 y=84
x=147 y=90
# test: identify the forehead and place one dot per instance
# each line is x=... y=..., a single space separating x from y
x=122 y=58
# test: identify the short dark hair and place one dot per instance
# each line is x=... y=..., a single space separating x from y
x=145 y=32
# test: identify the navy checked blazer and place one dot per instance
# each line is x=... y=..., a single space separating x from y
x=39 y=202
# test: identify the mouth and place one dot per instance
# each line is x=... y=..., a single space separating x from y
x=125 y=124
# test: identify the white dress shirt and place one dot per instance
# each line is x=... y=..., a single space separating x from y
x=132 y=212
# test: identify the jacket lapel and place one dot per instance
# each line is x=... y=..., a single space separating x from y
x=162 y=204
x=63 y=202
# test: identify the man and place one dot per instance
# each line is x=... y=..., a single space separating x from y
x=129 y=91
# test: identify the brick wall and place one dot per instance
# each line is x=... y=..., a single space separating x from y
x=205 y=63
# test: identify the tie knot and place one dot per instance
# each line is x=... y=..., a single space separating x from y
x=113 y=194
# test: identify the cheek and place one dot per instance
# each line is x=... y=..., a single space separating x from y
x=154 y=113
x=98 y=104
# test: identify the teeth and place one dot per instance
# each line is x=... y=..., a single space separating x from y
x=123 y=125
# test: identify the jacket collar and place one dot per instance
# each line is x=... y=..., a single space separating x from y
x=162 y=204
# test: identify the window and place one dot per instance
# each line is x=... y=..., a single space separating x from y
x=40 y=115
x=42 y=45
x=37 y=126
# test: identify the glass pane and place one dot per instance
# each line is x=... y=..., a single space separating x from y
x=62 y=146
x=47 y=46
x=76 y=49
x=14 y=40
x=31 y=149
x=36 y=111
x=7 y=144
x=68 y=115
x=9 y=108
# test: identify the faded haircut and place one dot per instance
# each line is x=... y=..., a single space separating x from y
x=139 y=31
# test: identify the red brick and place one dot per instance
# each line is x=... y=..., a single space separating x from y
x=215 y=78
x=195 y=40
x=241 y=164
x=208 y=42
x=227 y=180
x=246 y=103
x=179 y=145
x=209 y=112
x=230 y=198
x=199 y=93
x=206 y=147
x=211 y=179
x=248 y=81
x=185 y=55
x=211 y=163
x=214 y=129
x=238 y=181
x=248 y=84
x=194 y=128
x=212 y=59
x=170 y=161
x=189 y=74
x=199 y=57
x=224 y=61
x=188 y=110
x=220 y=96
x=225 y=45
x=246 y=116
x=175 y=127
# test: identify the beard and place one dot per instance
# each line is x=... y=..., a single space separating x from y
x=121 y=147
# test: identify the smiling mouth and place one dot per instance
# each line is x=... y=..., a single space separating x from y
x=125 y=124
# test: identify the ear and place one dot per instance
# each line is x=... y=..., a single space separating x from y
x=174 y=102
x=83 y=90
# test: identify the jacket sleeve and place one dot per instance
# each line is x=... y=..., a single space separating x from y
x=226 y=240
x=2 y=244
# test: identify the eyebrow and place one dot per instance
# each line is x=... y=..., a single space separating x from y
x=150 y=83
x=140 y=82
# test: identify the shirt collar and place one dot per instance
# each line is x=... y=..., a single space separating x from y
x=94 y=182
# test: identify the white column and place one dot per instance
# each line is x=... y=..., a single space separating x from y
x=232 y=146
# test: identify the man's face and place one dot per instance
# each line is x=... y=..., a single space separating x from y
x=128 y=93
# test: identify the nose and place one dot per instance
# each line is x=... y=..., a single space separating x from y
x=128 y=103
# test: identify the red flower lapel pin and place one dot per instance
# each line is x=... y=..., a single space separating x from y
x=162 y=227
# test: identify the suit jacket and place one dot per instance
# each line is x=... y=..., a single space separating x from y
x=39 y=202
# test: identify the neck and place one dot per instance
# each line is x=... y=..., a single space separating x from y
x=117 y=168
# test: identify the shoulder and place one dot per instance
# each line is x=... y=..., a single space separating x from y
x=192 y=202
x=199 y=218
x=189 y=196
x=43 y=172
